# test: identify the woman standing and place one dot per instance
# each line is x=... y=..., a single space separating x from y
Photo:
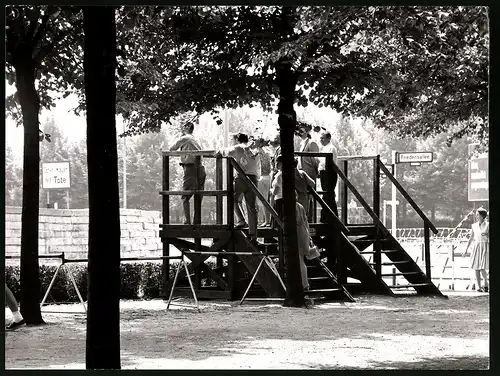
x=480 y=253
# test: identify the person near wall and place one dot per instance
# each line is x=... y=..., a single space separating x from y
x=194 y=171
x=11 y=302
x=327 y=175
x=480 y=251
x=308 y=163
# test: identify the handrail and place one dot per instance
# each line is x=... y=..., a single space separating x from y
x=360 y=198
x=340 y=157
x=324 y=206
x=193 y=153
x=255 y=190
x=408 y=198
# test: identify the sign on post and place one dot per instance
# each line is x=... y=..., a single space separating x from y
x=414 y=157
x=478 y=182
x=55 y=175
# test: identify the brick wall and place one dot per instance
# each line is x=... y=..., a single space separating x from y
x=62 y=230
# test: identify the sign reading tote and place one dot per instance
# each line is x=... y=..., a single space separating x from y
x=55 y=175
x=478 y=183
x=414 y=157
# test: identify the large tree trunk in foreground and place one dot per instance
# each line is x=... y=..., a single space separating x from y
x=28 y=98
x=286 y=81
x=103 y=317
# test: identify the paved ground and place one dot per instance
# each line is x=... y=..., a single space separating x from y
x=372 y=333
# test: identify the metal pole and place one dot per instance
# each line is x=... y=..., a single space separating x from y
x=393 y=206
x=124 y=172
x=226 y=166
x=67 y=199
x=48 y=199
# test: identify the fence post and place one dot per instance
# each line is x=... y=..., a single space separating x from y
x=165 y=270
x=427 y=251
x=343 y=194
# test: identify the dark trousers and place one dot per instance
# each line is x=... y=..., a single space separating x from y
x=240 y=187
x=194 y=180
x=328 y=181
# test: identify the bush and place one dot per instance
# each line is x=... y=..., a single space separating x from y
x=135 y=277
x=130 y=277
x=151 y=280
x=58 y=292
x=13 y=280
x=80 y=273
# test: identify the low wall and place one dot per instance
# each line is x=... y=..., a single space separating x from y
x=62 y=230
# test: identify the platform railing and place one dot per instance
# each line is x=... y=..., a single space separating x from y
x=219 y=193
x=428 y=226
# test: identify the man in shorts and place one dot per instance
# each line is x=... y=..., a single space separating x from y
x=194 y=172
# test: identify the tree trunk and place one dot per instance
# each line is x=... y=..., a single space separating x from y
x=286 y=81
x=30 y=281
x=103 y=317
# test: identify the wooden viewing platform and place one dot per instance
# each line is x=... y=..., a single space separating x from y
x=357 y=251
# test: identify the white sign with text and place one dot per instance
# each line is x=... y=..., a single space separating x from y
x=55 y=175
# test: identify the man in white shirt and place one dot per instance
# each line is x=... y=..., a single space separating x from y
x=327 y=175
x=248 y=159
x=194 y=172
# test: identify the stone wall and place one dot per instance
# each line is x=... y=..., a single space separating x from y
x=62 y=230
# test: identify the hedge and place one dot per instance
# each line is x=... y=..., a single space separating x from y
x=138 y=280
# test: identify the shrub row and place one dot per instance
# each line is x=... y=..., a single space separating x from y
x=138 y=280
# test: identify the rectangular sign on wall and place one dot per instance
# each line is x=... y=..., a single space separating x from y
x=55 y=175
x=478 y=181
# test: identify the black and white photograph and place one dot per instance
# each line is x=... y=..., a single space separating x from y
x=247 y=187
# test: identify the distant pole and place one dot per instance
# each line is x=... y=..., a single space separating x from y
x=67 y=198
x=226 y=129
x=393 y=207
x=226 y=144
x=124 y=171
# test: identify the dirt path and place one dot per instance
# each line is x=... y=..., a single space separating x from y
x=373 y=333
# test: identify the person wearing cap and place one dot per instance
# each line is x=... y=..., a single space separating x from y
x=194 y=171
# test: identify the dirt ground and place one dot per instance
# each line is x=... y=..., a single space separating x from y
x=373 y=333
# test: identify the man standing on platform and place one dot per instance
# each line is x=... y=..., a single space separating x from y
x=194 y=172
x=327 y=175
x=248 y=159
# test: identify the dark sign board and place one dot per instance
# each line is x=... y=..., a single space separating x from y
x=478 y=182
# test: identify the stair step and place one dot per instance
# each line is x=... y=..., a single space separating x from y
x=265 y=299
x=318 y=278
x=392 y=262
x=320 y=291
x=410 y=285
x=382 y=251
x=405 y=273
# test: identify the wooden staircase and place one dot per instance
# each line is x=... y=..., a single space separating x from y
x=324 y=286
x=363 y=239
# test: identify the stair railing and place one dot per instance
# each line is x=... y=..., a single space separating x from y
x=428 y=226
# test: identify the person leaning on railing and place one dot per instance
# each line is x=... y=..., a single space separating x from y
x=247 y=158
x=194 y=172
